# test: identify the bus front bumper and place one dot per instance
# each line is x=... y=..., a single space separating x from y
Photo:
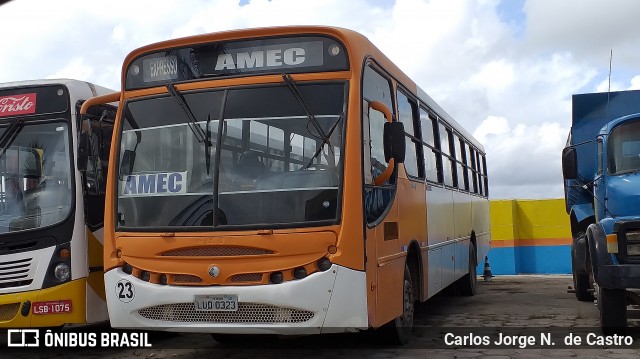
x=323 y=302
x=16 y=309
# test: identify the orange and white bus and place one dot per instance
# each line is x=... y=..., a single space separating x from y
x=50 y=216
x=285 y=180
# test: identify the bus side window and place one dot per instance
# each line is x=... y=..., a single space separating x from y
x=445 y=150
x=457 y=151
x=406 y=111
x=485 y=176
x=431 y=166
x=474 y=172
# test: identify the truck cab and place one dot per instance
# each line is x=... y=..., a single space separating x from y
x=601 y=169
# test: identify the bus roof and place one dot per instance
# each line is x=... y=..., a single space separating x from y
x=358 y=47
x=95 y=89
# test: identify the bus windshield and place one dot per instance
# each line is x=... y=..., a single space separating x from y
x=267 y=163
x=624 y=149
x=35 y=176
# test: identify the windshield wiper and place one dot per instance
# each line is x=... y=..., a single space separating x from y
x=9 y=135
x=200 y=134
x=296 y=93
x=319 y=149
x=323 y=136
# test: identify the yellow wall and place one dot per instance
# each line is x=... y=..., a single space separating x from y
x=529 y=223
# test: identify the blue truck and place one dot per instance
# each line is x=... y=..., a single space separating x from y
x=601 y=170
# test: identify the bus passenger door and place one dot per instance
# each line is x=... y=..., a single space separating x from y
x=97 y=128
x=385 y=264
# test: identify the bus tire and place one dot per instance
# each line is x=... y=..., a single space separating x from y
x=612 y=304
x=398 y=331
x=467 y=284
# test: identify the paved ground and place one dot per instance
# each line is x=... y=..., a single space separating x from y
x=530 y=307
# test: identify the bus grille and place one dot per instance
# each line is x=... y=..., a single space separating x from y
x=216 y=252
x=8 y=311
x=248 y=313
x=15 y=273
x=186 y=278
x=247 y=277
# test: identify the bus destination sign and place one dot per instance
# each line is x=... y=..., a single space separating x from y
x=290 y=55
x=22 y=104
x=33 y=100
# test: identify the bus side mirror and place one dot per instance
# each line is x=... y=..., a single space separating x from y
x=128 y=158
x=393 y=134
x=394 y=142
x=569 y=163
x=83 y=151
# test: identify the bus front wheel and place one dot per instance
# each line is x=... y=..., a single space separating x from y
x=398 y=331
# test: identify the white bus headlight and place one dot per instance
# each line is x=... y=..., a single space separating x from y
x=62 y=272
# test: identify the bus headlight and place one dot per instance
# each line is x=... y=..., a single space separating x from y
x=62 y=272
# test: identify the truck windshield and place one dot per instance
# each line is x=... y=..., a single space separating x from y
x=623 y=152
x=35 y=176
x=265 y=164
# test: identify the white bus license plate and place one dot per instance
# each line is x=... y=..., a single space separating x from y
x=216 y=303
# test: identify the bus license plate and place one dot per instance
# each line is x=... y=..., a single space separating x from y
x=52 y=307
x=216 y=303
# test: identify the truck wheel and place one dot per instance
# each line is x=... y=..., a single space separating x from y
x=581 y=285
x=398 y=331
x=467 y=284
x=612 y=304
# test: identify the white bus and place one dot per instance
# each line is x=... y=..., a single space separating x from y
x=51 y=217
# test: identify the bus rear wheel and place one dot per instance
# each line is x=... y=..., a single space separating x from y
x=467 y=284
x=398 y=331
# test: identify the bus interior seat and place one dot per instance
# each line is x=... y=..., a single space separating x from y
x=248 y=169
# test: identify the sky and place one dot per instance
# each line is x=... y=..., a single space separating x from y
x=504 y=69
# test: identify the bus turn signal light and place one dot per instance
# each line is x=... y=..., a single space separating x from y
x=64 y=253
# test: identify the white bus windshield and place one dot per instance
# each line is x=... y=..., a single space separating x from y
x=35 y=177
